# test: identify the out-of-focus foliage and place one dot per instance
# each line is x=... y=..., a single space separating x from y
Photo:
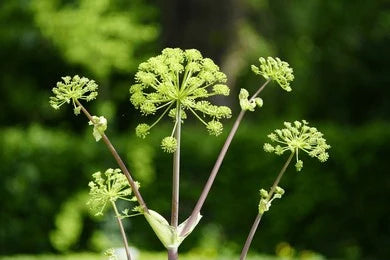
x=339 y=53
x=102 y=35
x=69 y=223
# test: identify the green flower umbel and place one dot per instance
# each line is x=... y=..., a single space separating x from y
x=72 y=89
x=107 y=188
x=298 y=136
x=177 y=82
x=276 y=70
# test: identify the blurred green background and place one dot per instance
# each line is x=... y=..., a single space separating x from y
x=340 y=54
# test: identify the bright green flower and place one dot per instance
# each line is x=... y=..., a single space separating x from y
x=298 y=136
x=178 y=81
x=107 y=188
x=72 y=89
x=169 y=144
x=275 y=69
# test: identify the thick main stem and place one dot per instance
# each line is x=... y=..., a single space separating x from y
x=118 y=218
x=217 y=165
x=172 y=253
x=256 y=223
x=176 y=172
x=118 y=159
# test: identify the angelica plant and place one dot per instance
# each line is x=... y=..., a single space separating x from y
x=177 y=84
x=295 y=137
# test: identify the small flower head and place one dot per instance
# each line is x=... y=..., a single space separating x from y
x=142 y=130
x=72 y=89
x=107 y=188
x=178 y=82
x=276 y=70
x=169 y=144
x=298 y=136
x=99 y=126
x=214 y=127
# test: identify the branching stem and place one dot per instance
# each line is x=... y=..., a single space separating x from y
x=217 y=165
x=118 y=159
x=256 y=223
x=118 y=218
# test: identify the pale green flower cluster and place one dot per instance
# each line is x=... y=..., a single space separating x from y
x=248 y=104
x=72 y=89
x=298 y=136
x=265 y=200
x=108 y=187
x=275 y=69
x=177 y=82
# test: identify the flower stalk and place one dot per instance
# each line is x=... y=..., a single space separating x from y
x=176 y=172
x=218 y=163
x=173 y=252
x=256 y=223
x=122 y=230
x=119 y=160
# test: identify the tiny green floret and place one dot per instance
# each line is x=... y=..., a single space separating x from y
x=179 y=81
x=275 y=69
x=108 y=187
x=72 y=89
x=142 y=130
x=298 y=136
x=169 y=144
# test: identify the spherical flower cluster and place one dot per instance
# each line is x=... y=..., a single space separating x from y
x=107 y=188
x=72 y=89
x=298 y=136
x=177 y=82
x=169 y=144
x=275 y=69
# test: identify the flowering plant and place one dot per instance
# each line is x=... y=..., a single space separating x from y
x=177 y=83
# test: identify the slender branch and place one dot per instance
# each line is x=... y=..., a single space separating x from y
x=250 y=236
x=118 y=159
x=217 y=165
x=280 y=175
x=118 y=218
x=256 y=223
